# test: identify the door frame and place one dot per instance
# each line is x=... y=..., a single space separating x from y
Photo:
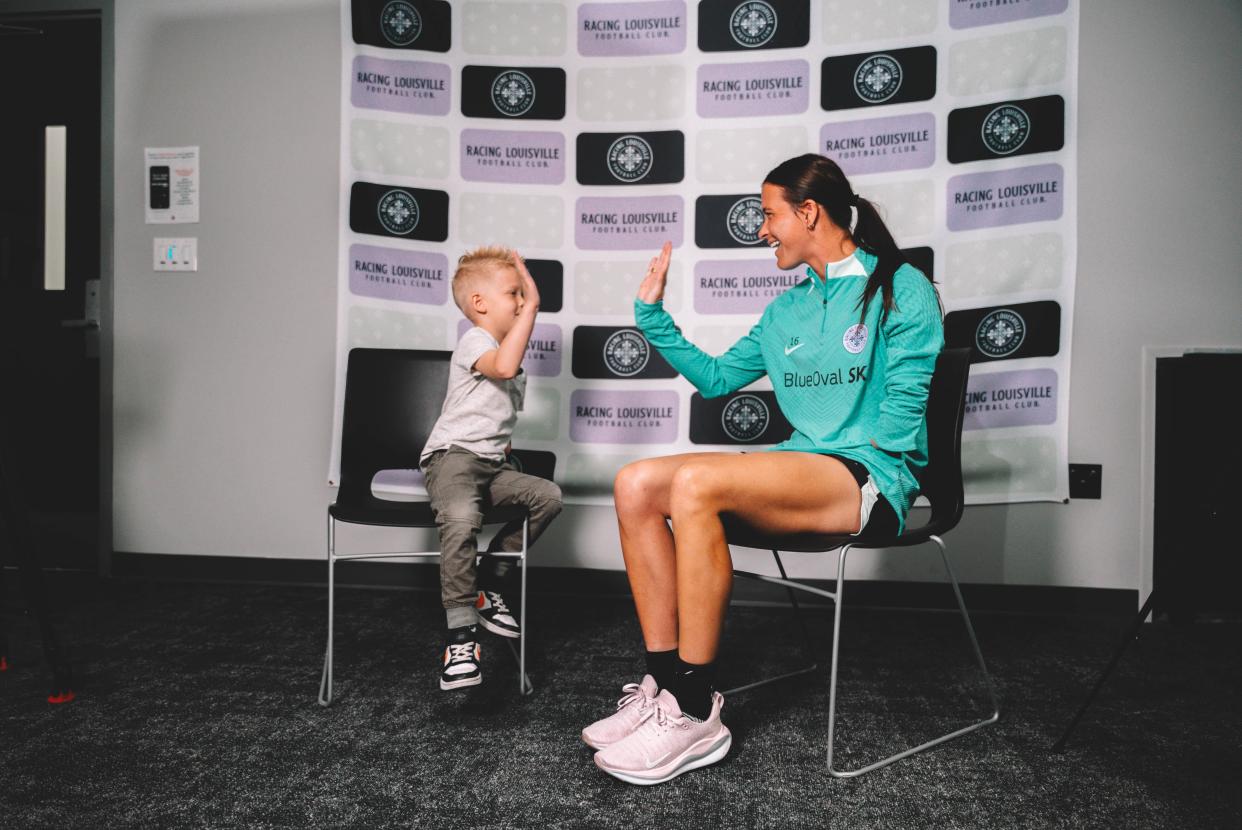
x=105 y=10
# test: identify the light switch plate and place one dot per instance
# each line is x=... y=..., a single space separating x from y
x=179 y=254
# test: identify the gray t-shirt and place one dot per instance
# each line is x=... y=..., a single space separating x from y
x=479 y=412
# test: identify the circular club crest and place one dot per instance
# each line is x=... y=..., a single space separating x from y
x=855 y=338
x=877 y=79
x=398 y=212
x=513 y=92
x=745 y=418
x=626 y=353
x=629 y=158
x=753 y=24
x=1000 y=333
x=400 y=23
x=744 y=220
x=1005 y=129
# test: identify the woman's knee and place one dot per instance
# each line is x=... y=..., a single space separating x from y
x=635 y=486
x=694 y=487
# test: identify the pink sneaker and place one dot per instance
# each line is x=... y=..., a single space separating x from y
x=666 y=744
x=637 y=699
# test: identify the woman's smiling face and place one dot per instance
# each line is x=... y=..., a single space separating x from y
x=783 y=228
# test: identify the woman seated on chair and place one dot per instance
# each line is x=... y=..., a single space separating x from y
x=850 y=352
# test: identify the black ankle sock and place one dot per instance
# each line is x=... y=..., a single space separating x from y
x=693 y=688
x=662 y=665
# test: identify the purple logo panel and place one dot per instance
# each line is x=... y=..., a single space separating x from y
x=611 y=29
x=1011 y=399
x=730 y=90
x=878 y=145
x=627 y=224
x=508 y=156
x=390 y=274
x=543 y=350
x=1006 y=197
x=415 y=87
x=963 y=14
x=603 y=417
x=733 y=286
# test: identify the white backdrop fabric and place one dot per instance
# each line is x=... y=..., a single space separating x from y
x=585 y=134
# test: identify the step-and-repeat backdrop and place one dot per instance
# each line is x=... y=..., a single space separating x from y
x=586 y=134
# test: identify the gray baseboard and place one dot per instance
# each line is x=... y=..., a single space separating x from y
x=1029 y=599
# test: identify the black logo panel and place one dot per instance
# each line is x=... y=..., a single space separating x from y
x=616 y=353
x=631 y=158
x=402 y=24
x=534 y=462
x=922 y=258
x=728 y=221
x=518 y=92
x=868 y=79
x=549 y=277
x=1009 y=128
x=745 y=25
x=740 y=418
x=1005 y=332
x=403 y=212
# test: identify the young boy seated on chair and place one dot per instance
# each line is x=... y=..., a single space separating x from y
x=466 y=459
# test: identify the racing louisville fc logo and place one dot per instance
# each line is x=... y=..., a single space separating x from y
x=745 y=418
x=400 y=23
x=1005 y=129
x=744 y=220
x=630 y=158
x=1000 y=333
x=513 y=92
x=398 y=212
x=753 y=24
x=626 y=353
x=877 y=79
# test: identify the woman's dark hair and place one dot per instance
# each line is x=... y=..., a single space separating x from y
x=818 y=178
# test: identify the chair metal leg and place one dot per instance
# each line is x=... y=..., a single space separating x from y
x=806 y=638
x=832 y=694
x=524 y=684
x=325 y=680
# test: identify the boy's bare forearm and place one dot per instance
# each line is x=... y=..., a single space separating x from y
x=513 y=347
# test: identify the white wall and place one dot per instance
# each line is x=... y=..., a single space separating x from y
x=223 y=379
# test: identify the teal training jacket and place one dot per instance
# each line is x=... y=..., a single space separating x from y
x=839 y=382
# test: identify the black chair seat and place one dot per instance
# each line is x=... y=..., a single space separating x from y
x=740 y=533
x=389 y=513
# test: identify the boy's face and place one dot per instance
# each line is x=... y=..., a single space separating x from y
x=501 y=295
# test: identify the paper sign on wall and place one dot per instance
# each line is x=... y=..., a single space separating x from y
x=171 y=185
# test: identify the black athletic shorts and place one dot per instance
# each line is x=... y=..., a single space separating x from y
x=883 y=519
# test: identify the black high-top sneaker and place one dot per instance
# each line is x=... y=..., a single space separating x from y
x=461 y=659
x=496 y=616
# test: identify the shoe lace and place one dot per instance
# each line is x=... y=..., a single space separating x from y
x=498 y=602
x=634 y=693
x=459 y=652
x=663 y=721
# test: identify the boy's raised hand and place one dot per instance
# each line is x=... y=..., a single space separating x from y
x=652 y=288
x=530 y=292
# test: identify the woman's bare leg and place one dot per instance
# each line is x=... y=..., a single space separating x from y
x=641 y=492
x=778 y=492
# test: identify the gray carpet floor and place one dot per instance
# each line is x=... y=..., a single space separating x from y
x=196 y=708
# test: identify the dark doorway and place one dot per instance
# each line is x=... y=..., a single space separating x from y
x=51 y=75
x=1197 y=550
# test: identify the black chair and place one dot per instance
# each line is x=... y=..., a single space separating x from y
x=392 y=400
x=942 y=486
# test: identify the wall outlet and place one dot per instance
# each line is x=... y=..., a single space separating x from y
x=176 y=254
x=1085 y=480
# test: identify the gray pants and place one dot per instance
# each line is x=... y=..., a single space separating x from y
x=461 y=484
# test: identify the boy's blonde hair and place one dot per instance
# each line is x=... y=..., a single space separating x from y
x=476 y=266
